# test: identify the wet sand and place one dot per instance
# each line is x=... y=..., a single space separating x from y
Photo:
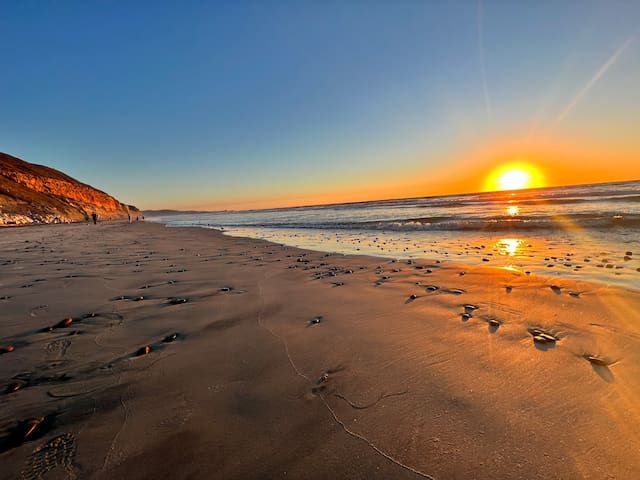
x=140 y=351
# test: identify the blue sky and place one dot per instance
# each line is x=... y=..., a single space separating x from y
x=230 y=104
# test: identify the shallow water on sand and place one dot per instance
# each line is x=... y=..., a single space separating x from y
x=564 y=254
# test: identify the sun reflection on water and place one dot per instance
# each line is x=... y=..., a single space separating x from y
x=513 y=210
x=508 y=246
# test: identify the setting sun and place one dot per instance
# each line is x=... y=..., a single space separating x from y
x=514 y=179
x=514 y=176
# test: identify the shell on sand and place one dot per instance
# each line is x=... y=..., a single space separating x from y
x=7 y=349
x=170 y=338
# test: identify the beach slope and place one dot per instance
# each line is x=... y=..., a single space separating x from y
x=140 y=351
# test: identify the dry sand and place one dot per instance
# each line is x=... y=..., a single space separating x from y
x=383 y=386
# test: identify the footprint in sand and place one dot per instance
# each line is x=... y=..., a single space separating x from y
x=56 y=350
x=57 y=453
x=35 y=311
x=175 y=418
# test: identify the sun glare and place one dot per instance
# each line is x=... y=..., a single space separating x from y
x=508 y=246
x=514 y=179
x=513 y=210
x=514 y=176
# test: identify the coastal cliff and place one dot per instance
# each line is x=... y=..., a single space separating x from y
x=32 y=193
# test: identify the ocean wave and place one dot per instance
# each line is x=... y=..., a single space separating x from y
x=492 y=224
x=600 y=206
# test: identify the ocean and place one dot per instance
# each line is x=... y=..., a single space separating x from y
x=589 y=232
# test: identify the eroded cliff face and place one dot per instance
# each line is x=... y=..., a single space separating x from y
x=32 y=193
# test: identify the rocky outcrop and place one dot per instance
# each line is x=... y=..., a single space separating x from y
x=32 y=193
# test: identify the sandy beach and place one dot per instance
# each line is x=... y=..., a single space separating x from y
x=140 y=351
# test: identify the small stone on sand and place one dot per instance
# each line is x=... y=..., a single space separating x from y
x=170 y=338
x=596 y=360
x=13 y=387
x=143 y=350
x=64 y=323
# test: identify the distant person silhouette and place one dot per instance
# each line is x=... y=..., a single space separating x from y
x=94 y=216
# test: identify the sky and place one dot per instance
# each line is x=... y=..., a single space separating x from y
x=250 y=104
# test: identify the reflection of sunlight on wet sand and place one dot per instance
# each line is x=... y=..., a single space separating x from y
x=508 y=246
x=558 y=253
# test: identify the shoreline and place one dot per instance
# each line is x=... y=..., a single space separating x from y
x=629 y=278
x=312 y=364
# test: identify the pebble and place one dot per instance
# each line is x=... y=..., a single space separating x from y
x=143 y=350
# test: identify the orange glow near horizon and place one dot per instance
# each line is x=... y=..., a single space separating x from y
x=514 y=176
x=548 y=161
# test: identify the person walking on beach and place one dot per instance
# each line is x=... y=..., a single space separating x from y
x=94 y=216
